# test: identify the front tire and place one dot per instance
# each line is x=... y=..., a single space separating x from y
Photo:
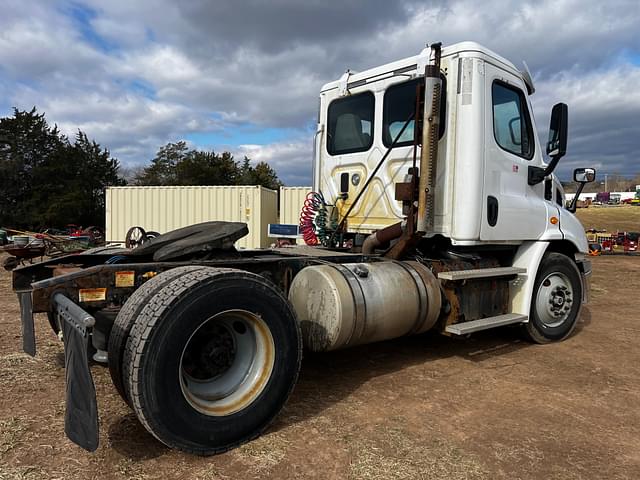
x=556 y=300
x=211 y=359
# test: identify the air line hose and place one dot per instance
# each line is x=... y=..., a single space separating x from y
x=313 y=219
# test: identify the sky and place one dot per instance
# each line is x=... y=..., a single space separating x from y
x=244 y=76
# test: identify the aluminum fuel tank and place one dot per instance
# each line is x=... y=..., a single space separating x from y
x=351 y=304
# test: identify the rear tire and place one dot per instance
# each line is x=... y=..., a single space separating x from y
x=212 y=359
x=556 y=299
x=127 y=317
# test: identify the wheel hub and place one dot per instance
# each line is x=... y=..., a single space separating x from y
x=554 y=299
x=226 y=363
x=209 y=354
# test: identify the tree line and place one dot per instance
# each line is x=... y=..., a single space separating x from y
x=177 y=164
x=48 y=180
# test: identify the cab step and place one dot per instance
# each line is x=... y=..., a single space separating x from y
x=481 y=273
x=485 y=323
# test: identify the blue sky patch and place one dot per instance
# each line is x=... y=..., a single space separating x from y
x=82 y=16
x=631 y=56
x=142 y=88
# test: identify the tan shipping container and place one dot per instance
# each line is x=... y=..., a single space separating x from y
x=291 y=202
x=163 y=209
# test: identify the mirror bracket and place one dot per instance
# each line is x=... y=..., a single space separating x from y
x=574 y=203
x=536 y=175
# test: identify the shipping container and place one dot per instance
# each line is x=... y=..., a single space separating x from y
x=163 y=209
x=291 y=202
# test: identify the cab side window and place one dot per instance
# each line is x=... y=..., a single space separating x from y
x=399 y=105
x=511 y=123
x=350 y=124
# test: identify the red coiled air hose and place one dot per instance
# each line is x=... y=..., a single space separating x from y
x=312 y=204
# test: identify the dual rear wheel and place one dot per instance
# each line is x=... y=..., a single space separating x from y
x=206 y=357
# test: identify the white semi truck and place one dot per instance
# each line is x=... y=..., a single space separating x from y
x=434 y=209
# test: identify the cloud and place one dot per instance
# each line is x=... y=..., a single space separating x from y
x=603 y=116
x=135 y=75
x=34 y=48
x=292 y=160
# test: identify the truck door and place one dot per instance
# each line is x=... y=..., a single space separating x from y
x=512 y=209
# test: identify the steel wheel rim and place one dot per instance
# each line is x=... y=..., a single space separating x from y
x=554 y=299
x=226 y=363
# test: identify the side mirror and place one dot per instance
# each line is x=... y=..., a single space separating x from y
x=584 y=175
x=556 y=146
x=557 y=143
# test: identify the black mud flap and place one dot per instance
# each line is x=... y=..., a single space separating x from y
x=81 y=415
x=26 y=317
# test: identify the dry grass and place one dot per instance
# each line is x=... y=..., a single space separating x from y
x=392 y=453
x=12 y=431
x=611 y=218
x=28 y=472
x=264 y=453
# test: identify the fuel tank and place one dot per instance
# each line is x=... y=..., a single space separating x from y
x=340 y=306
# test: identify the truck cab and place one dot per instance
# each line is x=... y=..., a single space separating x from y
x=486 y=148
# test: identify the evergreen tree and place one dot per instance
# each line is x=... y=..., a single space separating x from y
x=45 y=180
x=27 y=140
x=263 y=174
x=162 y=170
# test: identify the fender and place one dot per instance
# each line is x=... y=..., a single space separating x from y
x=529 y=256
x=573 y=231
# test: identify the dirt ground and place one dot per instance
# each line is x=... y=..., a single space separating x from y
x=488 y=406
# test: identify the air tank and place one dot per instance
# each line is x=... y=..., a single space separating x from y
x=342 y=305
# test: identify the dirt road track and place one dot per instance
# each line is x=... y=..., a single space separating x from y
x=488 y=406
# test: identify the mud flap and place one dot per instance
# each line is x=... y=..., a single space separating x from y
x=26 y=317
x=81 y=414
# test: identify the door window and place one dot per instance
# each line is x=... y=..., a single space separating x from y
x=511 y=124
